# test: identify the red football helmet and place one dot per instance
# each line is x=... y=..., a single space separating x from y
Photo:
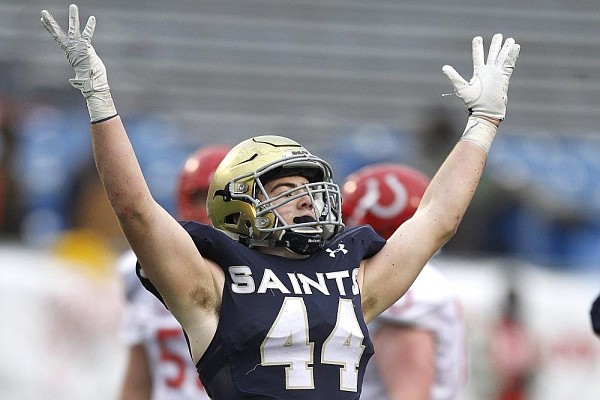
x=383 y=196
x=194 y=180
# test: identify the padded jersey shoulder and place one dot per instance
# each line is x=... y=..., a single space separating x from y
x=220 y=248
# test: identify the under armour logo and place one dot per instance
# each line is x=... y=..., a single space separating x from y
x=341 y=247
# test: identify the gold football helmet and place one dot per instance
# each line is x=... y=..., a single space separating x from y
x=239 y=205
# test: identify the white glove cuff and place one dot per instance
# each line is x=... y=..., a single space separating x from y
x=480 y=132
x=100 y=106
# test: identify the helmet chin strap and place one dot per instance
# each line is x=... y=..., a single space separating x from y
x=302 y=241
x=304 y=244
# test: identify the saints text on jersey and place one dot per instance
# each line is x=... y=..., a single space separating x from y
x=297 y=283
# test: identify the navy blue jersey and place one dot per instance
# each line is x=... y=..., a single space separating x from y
x=288 y=329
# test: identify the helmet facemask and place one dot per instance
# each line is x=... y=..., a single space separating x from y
x=305 y=234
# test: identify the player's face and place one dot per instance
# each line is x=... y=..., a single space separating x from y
x=298 y=207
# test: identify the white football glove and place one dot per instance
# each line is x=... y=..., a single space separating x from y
x=486 y=94
x=90 y=72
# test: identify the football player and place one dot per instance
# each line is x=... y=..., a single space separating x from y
x=420 y=341
x=159 y=365
x=274 y=299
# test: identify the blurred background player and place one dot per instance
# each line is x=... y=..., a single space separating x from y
x=420 y=341
x=159 y=365
x=62 y=302
x=513 y=351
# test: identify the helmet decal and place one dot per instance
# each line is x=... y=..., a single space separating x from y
x=383 y=196
x=399 y=199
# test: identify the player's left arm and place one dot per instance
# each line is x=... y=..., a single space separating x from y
x=405 y=360
x=385 y=277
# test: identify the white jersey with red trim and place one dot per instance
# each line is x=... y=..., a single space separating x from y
x=148 y=322
x=430 y=304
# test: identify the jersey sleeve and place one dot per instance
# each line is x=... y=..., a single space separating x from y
x=126 y=268
x=428 y=298
x=132 y=325
x=132 y=328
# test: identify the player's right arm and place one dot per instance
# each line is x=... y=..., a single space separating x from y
x=137 y=384
x=407 y=363
x=165 y=250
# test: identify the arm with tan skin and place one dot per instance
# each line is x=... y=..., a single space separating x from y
x=158 y=240
x=407 y=364
x=453 y=186
x=138 y=377
x=433 y=224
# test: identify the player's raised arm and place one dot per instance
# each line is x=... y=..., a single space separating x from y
x=158 y=240
x=453 y=186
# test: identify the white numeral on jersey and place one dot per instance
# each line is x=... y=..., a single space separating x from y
x=288 y=343
x=344 y=346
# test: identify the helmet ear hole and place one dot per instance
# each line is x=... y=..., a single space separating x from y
x=233 y=219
